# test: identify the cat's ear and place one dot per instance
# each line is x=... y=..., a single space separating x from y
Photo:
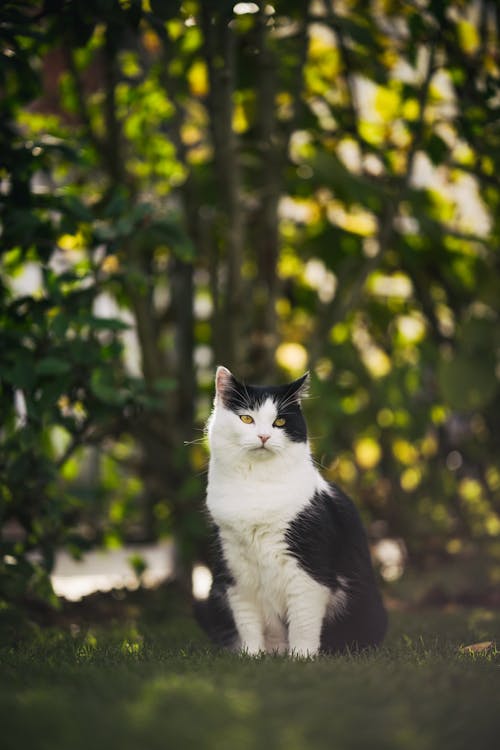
x=299 y=389
x=224 y=380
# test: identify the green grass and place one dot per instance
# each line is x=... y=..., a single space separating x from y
x=144 y=685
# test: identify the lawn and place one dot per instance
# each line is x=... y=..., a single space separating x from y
x=137 y=683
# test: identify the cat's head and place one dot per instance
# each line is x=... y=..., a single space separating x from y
x=260 y=421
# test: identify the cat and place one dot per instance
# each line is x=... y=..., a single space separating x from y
x=292 y=570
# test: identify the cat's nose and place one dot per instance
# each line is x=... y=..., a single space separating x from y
x=264 y=438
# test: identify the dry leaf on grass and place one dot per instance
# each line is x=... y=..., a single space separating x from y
x=477 y=648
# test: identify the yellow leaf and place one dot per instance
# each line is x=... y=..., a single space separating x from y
x=468 y=37
x=110 y=264
x=190 y=134
x=198 y=457
x=151 y=41
x=411 y=109
x=70 y=241
x=429 y=445
x=198 y=78
x=175 y=28
x=375 y=360
x=404 y=451
x=411 y=328
x=292 y=357
x=410 y=479
x=240 y=122
x=387 y=103
x=470 y=490
x=368 y=452
x=477 y=648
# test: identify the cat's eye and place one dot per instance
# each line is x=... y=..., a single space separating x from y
x=246 y=418
x=279 y=422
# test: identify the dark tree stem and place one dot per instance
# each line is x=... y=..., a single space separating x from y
x=219 y=52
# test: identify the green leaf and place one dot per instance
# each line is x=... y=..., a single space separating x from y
x=138 y=564
x=437 y=149
x=76 y=208
x=59 y=324
x=52 y=366
x=40 y=585
x=109 y=324
x=105 y=390
x=170 y=233
x=21 y=373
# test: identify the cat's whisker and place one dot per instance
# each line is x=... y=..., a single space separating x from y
x=246 y=393
x=238 y=397
x=320 y=465
x=286 y=403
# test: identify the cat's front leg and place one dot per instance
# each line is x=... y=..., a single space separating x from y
x=307 y=605
x=248 y=620
x=276 y=636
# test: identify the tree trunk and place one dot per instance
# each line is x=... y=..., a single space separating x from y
x=219 y=49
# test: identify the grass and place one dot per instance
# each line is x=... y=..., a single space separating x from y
x=141 y=684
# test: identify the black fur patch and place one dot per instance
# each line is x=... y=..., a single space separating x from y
x=240 y=398
x=328 y=541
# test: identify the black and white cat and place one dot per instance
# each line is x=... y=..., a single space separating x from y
x=292 y=572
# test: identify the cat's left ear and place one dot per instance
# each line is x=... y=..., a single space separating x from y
x=299 y=389
x=224 y=380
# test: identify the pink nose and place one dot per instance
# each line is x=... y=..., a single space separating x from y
x=264 y=438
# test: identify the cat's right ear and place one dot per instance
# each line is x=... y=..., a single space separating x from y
x=300 y=387
x=223 y=381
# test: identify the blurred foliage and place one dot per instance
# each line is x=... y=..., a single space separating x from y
x=272 y=187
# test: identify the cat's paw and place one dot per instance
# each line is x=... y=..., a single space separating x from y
x=277 y=649
x=303 y=652
x=251 y=649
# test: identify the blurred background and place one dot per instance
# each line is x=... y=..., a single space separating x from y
x=269 y=186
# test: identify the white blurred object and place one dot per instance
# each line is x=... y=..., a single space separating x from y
x=103 y=570
x=390 y=554
x=202 y=581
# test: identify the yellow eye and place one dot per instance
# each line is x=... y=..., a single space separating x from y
x=279 y=422
x=246 y=418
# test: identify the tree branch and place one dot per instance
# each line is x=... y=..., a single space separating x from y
x=113 y=152
x=81 y=102
x=347 y=65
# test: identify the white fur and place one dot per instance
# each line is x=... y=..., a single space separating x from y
x=253 y=494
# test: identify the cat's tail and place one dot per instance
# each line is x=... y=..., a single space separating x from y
x=215 y=617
